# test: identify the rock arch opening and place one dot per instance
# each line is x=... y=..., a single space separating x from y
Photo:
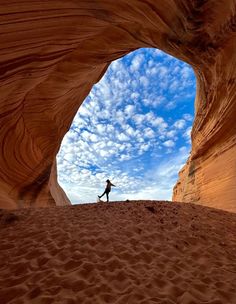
x=51 y=57
x=134 y=127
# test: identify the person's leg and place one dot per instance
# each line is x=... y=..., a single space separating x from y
x=107 y=193
x=102 y=194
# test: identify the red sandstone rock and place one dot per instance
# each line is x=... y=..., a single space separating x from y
x=51 y=54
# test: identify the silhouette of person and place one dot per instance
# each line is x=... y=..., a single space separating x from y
x=107 y=190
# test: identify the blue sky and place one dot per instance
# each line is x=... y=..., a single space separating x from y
x=133 y=128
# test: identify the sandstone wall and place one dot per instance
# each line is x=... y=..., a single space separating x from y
x=209 y=177
x=51 y=54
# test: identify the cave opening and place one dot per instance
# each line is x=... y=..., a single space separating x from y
x=133 y=128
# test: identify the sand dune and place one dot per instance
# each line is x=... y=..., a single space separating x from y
x=134 y=252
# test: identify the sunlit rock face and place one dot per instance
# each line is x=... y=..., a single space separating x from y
x=52 y=52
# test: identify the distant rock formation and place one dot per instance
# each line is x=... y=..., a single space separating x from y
x=53 y=52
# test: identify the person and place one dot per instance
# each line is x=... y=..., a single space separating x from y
x=107 y=190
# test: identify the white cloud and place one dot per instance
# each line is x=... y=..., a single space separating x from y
x=139 y=118
x=180 y=124
x=149 y=133
x=171 y=105
x=122 y=137
x=159 y=122
x=169 y=143
x=136 y=62
x=162 y=71
x=186 y=72
x=129 y=110
x=130 y=131
x=135 y=95
x=171 y=134
x=188 y=117
x=187 y=134
x=144 y=81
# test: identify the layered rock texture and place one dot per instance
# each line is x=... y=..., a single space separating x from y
x=51 y=54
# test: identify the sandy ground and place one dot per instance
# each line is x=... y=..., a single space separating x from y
x=133 y=252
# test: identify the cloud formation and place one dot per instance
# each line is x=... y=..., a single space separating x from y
x=133 y=128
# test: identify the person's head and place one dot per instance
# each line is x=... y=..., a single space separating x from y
x=107 y=181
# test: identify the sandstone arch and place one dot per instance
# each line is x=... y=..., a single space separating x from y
x=51 y=54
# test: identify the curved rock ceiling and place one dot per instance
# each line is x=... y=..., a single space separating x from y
x=51 y=54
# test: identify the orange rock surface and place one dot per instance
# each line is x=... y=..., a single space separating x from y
x=51 y=54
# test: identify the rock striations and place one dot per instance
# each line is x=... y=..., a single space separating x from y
x=53 y=52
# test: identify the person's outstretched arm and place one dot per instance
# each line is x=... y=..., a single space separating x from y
x=112 y=185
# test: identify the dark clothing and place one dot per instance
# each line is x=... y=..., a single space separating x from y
x=108 y=187
x=107 y=195
x=107 y=190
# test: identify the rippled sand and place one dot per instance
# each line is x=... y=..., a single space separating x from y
x=120 y=252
